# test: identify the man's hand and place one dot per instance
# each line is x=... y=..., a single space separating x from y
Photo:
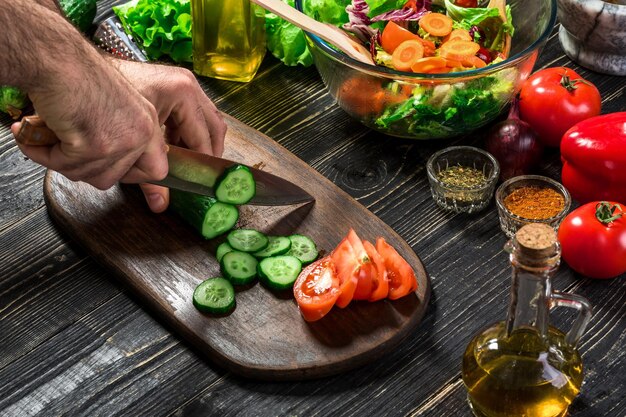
x=107 y=116
x=190 y=118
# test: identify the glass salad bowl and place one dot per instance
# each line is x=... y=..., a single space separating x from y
x=431 y=106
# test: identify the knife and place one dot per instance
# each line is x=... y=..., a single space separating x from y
x=189 y=171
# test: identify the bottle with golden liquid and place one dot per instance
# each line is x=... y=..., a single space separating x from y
x=228 y=38
x=523 y=367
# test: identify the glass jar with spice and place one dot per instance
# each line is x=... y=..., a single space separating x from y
x=531 y=199
x=462 y=178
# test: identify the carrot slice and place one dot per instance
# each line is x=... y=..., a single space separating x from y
x=406 y=54
x=459 y=47
x=460 y=34
x=454 y=63
x=436 y=24
x=428 y=64
x=473 y=62
x=439 y=70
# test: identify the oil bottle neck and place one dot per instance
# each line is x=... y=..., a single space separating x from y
x=531 y=289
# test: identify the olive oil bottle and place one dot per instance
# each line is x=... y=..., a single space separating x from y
x=228 y=38
x=523 y=367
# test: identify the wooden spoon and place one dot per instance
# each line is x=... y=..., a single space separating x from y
x=500 y=5
x=329 y=33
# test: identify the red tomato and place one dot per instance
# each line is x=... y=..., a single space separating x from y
x=365 y=269
x=380 y=281
x=393 y=35
x=401 y=276
x=592 y=247
x=317 y=288
x=466 y=3
x=346 y=264
x=554 y=99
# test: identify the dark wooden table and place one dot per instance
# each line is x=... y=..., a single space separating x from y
x=74 y=342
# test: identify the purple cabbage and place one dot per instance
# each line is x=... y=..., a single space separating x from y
x=359 y=23
x=406 y=13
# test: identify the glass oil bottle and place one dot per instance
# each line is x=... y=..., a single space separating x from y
x=228 y=38
x=523 y=367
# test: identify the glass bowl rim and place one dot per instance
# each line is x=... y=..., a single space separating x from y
x=489 y=182
x=540 y=178
x=392 y=73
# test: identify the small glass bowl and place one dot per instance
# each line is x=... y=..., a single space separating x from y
x=462 y=199
x=509 y=222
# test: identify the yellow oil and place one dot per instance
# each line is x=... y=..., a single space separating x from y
x=522 y=375
x=228 y=38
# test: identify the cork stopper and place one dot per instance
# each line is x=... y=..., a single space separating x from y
x=536 y=242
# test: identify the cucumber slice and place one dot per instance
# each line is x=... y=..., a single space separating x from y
x=239 y=267
x=222 y=250
x=303 y=248
x=247 y=240
x=235 y=186
x=278 y=245
x=215 y=296
x=207 y=215
x=279 y=272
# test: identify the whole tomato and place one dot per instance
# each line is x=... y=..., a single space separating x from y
x=593 y=240
x=554 y=99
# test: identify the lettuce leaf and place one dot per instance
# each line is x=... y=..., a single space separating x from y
x=12 y=100
x=286 y=41
x=161 y=27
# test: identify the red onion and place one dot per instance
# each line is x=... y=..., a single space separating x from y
x=514 y=144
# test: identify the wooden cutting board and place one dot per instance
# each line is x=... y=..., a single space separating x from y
x=162 y=260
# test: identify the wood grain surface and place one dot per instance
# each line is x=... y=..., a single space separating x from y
x=162 y=259
x=75 y=342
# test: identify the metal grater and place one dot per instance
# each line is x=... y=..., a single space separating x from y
x=111 y=37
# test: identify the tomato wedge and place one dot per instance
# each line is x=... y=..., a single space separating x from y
x=401 y=276
x=344 y=258
x=380 y=282
x=365 y=269
x=317 y=288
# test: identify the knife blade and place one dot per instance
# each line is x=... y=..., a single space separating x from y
x=196 y=172
x=190 y=171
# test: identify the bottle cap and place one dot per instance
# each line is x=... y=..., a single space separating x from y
x=537 y=242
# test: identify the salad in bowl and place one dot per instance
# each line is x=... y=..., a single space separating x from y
x=443 y=68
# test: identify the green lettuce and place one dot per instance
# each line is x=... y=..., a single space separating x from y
x=161 y=27
x=286 y=41
x=445 y=110
x=12 y=101
x=328 y=11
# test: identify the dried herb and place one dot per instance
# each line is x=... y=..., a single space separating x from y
x=463 y=177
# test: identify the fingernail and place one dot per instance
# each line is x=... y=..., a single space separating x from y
x=156 y=201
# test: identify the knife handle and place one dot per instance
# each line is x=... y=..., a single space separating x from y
x=34 y=132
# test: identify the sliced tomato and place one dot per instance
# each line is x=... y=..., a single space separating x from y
x=401 y=276
x=380 y=282
x=345 y=261
x=365 y=269
x=317 y=288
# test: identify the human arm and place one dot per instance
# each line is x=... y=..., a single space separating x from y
x=172 y=93
x=82 y=98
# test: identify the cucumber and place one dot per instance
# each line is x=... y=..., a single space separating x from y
x=247 y=240
x=207 y=215
x=80 y=12
x=303 y=248
x=239 y=268
x=215 y=296
x=222 y=250
x=278 y=245
x=279 y=272
x=235 y=186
